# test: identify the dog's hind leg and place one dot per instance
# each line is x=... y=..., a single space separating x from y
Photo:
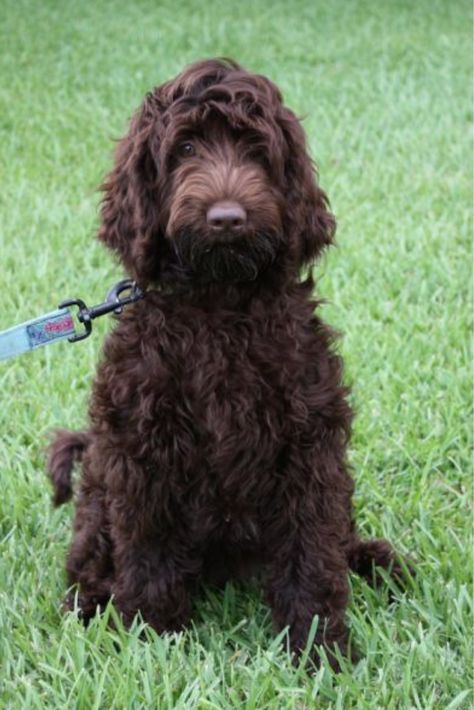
x=89 y=563
x=367 y=557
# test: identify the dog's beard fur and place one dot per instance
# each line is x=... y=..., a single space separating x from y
x=237 y=260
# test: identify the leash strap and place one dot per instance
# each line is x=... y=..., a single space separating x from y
x=59 y=324
x=34 y=333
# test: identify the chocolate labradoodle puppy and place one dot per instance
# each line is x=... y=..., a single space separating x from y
x=218 y=420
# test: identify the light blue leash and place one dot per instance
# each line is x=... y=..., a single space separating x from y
x=59 y=324
x=34 y=333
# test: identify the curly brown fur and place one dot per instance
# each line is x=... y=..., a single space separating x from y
x=66 y=448
x=219 y=421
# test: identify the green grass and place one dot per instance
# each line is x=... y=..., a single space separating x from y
x=385 y=88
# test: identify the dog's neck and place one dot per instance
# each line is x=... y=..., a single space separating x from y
x=185 y=289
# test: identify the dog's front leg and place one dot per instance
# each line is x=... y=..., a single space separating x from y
x=155 y=564
x=154 y=582
x=308 y=569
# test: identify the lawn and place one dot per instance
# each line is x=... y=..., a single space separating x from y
x=385 y=90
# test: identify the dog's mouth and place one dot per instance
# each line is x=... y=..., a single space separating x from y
x=229 y=259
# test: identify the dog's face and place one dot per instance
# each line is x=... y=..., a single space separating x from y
x=222 y=209
x=213 y=182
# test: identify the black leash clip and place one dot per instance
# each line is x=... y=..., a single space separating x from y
x=113 y=303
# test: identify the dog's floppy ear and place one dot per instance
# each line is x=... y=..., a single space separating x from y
x=130 y=209
x=310 y=222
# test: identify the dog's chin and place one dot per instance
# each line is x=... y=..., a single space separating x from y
x=226 y=260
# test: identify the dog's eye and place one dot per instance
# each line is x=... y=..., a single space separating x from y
x=186 y=149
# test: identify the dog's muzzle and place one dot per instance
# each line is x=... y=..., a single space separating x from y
x=228 y=259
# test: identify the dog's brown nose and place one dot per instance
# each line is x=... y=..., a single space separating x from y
x=226 y=216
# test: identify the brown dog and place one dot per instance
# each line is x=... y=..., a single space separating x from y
x=218 y=420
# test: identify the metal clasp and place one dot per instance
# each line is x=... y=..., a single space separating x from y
x=113 y=303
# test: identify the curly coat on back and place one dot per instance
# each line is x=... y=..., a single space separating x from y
x=218 y=420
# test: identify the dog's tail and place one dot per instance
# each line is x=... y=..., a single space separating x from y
x=65 y=449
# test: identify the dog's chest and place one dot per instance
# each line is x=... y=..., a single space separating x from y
x=230 y=411
x=211 y=405
x=212 y=397
x=228 y=385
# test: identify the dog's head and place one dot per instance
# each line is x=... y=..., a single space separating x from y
x=214 y=182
